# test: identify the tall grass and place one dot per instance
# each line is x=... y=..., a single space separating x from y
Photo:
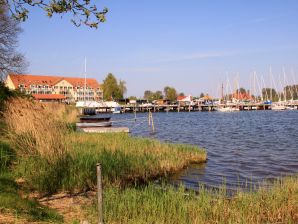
x=54 y=158
x=12 y=202
x=152 y=205
x=37 y=129
x=125 y=161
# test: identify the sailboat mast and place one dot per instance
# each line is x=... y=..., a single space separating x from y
x=270 y=73
x=85 y=74
x=285 y=85
x=222 y=92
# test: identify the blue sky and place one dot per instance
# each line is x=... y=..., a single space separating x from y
x=192 y=45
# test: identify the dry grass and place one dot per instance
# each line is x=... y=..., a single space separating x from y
x=36 y=128
x=53 y=157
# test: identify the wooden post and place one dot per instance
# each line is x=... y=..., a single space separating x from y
x=149 y=119
x=99 y=194
x=152 y=122
x=135 y=114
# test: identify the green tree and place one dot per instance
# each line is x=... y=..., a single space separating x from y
x=181 y=94
x=132 y=98
x=83 y=11
x=241 y=90
x=122 y=87
x=157 y=95
x=267 y=92
x=291 y=92
x=148 y=94
x=170 y=93
x=202 y=95
x=111 y=89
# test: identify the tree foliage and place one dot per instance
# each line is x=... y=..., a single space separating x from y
x=83 y=11
x=6 y=93
x=112 y=89
x=241 y=90
x=270 y=94
x=291 y=92
x=122 y=87
x=170 y=93
x=150 y=96
x=11 y=61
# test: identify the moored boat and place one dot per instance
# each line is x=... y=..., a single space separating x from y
x=228 y=109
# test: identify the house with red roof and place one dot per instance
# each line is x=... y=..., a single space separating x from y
x=59 y=88
x=244 y=96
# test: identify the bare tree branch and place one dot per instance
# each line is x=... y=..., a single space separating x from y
x=10 y=60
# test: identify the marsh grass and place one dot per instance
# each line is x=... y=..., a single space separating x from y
x=52 y=157
x=169 y=205
x=21 y=207
x=13 y=201
x=125 y=161
x=36 y=129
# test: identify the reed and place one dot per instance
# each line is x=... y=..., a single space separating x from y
x=125 y=161
x=37 y=129
x=169 y=205
x=52 y=157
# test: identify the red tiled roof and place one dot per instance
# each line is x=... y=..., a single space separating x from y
x=48 y=96
x=181 y=97
x=242 y=96
x=27 y=80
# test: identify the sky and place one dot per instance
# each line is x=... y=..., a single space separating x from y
x=194 y=45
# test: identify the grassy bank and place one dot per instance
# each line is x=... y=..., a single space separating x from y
x=15 y=206
x=125 y=161
x=52 y=157
x=152 y=205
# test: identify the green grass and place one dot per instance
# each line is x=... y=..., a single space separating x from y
x=150 y=204
x=10 y=200
x=7 y=156
x=125 y=161
x=12 y=203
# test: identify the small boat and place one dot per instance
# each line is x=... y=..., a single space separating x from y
x=94 y=125
x=278 y=107
x=116 y=110
x=227 y=109
x=290 y=108
x=93 y=119
x=94 y=122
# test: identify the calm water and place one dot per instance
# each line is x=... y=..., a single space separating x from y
x=243 y=147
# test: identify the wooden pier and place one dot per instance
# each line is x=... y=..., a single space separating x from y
x=187 y=108
x=104 y=129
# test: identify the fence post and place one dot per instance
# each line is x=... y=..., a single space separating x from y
x=99 y=194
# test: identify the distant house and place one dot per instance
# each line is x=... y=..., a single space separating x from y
x=242 y=96
x=206 y=100
x=55 y=87
x=184 y=100
x=161 y=102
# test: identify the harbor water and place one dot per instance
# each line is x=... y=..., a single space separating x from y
x=244 y=148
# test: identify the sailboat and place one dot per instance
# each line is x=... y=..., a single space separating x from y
x=278 y=106
x=226 y=107
x=91 y=104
